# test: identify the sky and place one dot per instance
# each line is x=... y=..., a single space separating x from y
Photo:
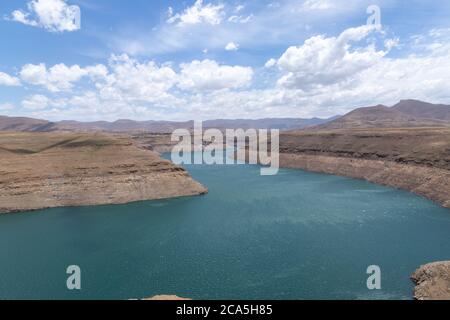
x=196 y=60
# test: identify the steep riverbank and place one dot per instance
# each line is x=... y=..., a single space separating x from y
x=432 y=183
x=416 y=160
x=46 y=170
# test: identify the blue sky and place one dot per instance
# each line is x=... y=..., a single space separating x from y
x=179 y=60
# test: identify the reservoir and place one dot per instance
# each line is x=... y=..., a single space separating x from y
x=295 y=235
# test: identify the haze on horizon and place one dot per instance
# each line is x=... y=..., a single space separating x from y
x=172 y=60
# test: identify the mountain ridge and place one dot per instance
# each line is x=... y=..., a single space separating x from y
x=23 y=124
x=405 y=114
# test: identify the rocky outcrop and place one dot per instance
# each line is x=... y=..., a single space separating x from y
x=432 y=281
x=49 y=170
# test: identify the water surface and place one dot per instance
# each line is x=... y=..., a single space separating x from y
x=297 y=235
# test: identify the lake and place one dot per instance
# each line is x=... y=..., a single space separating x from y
x=296 y=235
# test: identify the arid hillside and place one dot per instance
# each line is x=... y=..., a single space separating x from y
x=18 y=124
x=417 y=146
x=22 y=124
x=405 y=114
x=44 y=170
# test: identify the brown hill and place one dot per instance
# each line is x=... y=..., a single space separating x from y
x=23 y=124
x=424 y=110
x=27 y=124
x=169 y=126
x=406 y=114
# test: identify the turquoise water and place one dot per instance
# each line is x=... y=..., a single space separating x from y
x=297 y=235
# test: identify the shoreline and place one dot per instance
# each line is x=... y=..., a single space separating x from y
x=428 y=182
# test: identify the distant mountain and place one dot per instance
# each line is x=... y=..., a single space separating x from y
x=424 y=110
x=283 y=124
x=23 y=124
x=27 y=124
x=407 y=113
x=121 y=126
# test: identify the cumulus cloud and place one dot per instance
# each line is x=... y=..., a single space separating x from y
x=198 y=13
x=59 y=77
x=327 y=76
x=326 y=61
x=231 y=46
x=131 y=80
x=35 y=102
x=131 y=88
x=52 y=15
x=209 y=75
x=270 y=63
x=7 y=80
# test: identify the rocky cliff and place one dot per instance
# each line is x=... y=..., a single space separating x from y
x=45 y=170
x=417 y=160
x=432 y=183
x=432 y=281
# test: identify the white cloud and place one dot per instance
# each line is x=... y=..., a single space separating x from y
x=436 y=41
x=239 y=8
x=22 y=17
x=198 y=13
x=131 y=80
x=231 y=46
x=127 y=87
x=326 y=61
x=240 y=19
x=270 y=63
x=36 y=102
x=317 y=5
x=59 y=77
x=53 y=15
x=283 y=22
x=209 y=75
x=7 y=80
x=345 y=71
x=389 y=44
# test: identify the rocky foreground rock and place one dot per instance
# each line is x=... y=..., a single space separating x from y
x=46 y=170
x=432 y=281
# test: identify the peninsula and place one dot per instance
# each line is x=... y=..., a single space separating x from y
x=47 y=170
